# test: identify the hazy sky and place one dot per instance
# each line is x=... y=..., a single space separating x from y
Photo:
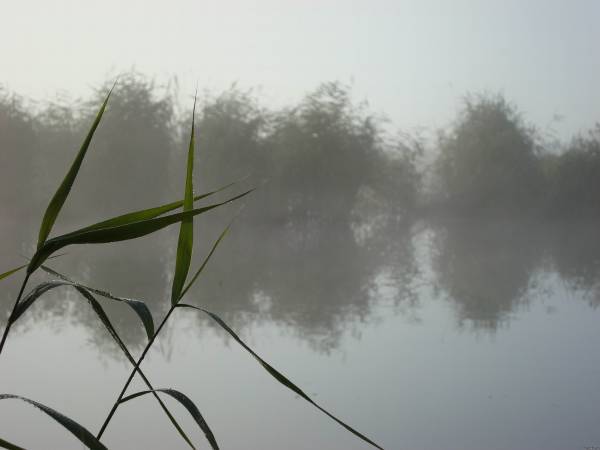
x=412 y=59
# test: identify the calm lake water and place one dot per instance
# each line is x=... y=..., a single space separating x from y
x=446 y=335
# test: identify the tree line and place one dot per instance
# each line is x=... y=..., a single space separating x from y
x=491 y=163
x=325 y=160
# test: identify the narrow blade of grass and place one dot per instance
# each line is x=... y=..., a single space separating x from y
x=276 y=374
x=185 y=241
x=111 y=330
x=39 y=290
x=16 y=269
x=32 y=296
x=138 y=306
x=203 y=265
x=189 y=405
x=118 y=233
x=12 y=271
x=9 y=446
x=150 y=213
x=63 y=190
x=79 y=431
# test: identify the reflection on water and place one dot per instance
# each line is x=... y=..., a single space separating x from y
x=318 y=280
x=314 y=280
x=486 y=267
x=330 y=293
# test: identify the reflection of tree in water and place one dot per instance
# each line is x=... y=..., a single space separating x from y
x=315 y=285
x=485 y=267
x=575 y=250
x=318 y=283
x=313 y=280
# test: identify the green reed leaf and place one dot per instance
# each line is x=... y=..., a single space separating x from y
x=16 y=269
x=111 y=329
x=65 y=187
x=137 y=306
x=189 y=405
x=117 y=233
x=42 y=288
x=186 y=229
x=32 y=296
x=79 y=431
x=150 y=213
x=86 y=292
x=203 y=265
x=9 y=446
x=276 y=374
x=12 y=271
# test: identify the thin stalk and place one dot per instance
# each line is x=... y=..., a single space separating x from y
x=165 y=409
x=132 y=374
x=10 y=321
x=163 y=406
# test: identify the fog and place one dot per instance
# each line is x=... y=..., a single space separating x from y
x=420 y=252
x=412 y=59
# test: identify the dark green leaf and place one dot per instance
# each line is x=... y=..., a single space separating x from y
x=106 y=321
x=201 y=268
x=16 y=269
x=65 y=187
x=85 y=292
x=9 y=446
x=185 y=242
x=32 y=296
x=12 y=271
x=118 y=233
x=77 y=430
x=150 y=213
x=138 y=306
x=278 y=375
x=189 y=405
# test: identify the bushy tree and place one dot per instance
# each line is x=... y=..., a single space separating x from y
x=230 y=128
x=488 y=160
x=574 y=178
x=18 y=144
x=325 y=151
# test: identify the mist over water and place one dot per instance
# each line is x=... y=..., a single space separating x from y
x=444 y=304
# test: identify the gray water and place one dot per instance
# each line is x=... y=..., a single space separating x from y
x=454 y=335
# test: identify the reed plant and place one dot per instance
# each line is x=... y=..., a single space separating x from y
x=121 y=228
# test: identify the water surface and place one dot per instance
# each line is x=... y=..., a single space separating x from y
x=451 y=334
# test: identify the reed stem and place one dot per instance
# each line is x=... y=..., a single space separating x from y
x=132 y=374
x=10 y=318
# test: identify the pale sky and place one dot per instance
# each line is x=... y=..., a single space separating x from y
x=411 y=59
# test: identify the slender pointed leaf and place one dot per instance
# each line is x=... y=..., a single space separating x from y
x=278 y=375
x=111 y=329
x=16 y=269
x=9 y=446
x=79 y=431
x=32 y=296
x=138 y=306
x=42 y=288
x=150 y=213
x=185 y=241
x=189 y=405
x=203 y=265
x=65 y=187
x=118 y=233
x=85 y=292
x=12 y=271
